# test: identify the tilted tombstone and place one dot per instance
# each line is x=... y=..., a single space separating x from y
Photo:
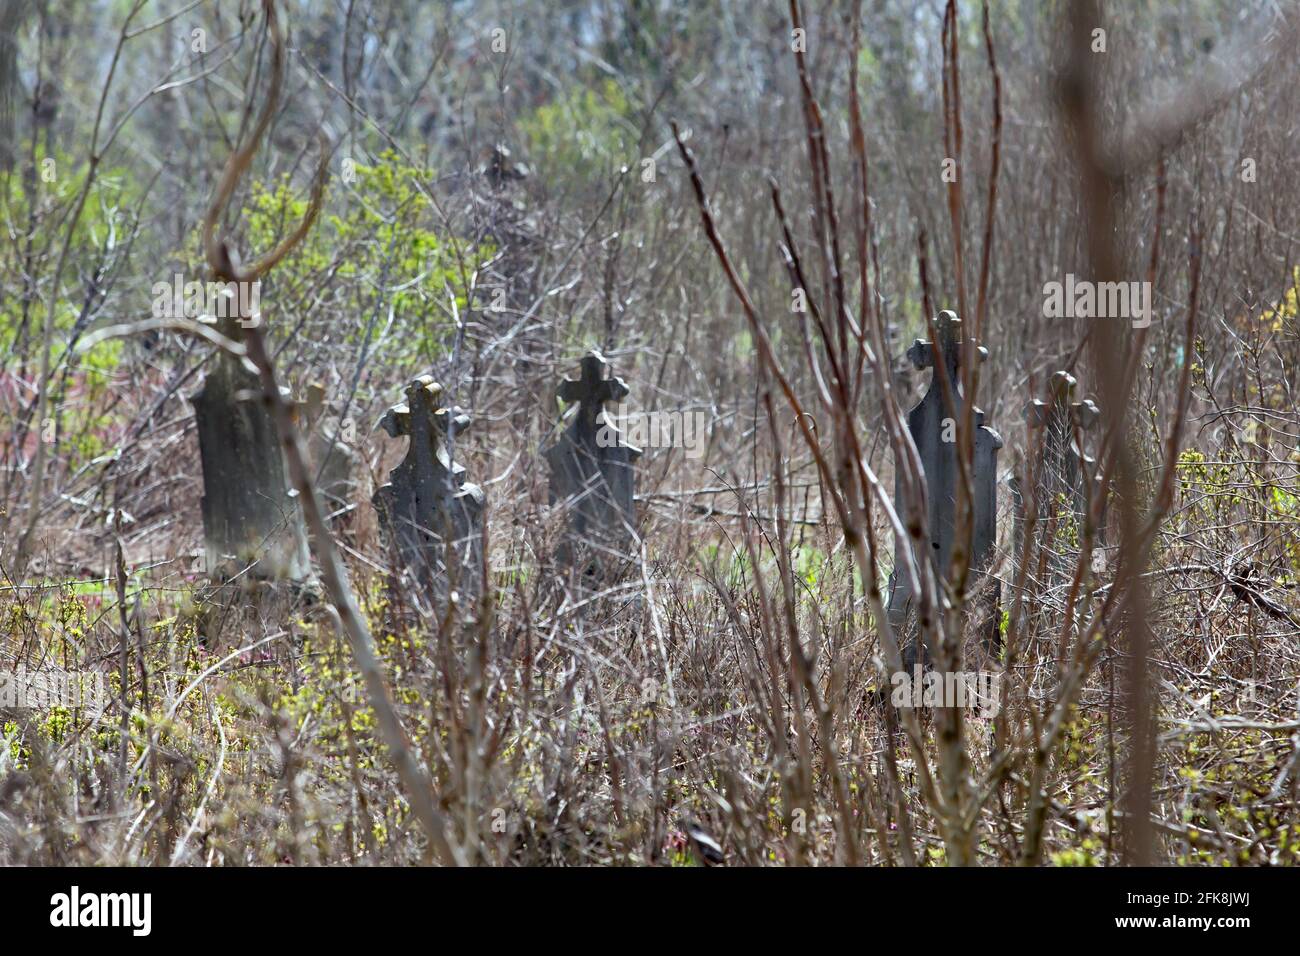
x=1061 y=468
x=333 y=456
x=933 y=425
x=251 y=518
x=593 y=472
x=433 y=516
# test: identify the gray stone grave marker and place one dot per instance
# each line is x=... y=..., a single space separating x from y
x=433 y=515
x=930 y=422
x=593 y=472
x=1062 y=468
x=251 y=518
x=332 y=445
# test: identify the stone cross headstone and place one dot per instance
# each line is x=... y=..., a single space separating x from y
x=933 y=425
x=251 y=518
x=1061 y=467
x=593 y=473
x=433 y=515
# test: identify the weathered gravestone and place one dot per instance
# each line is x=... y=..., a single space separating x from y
x=251 y=518
x=433 y=516
x=1061 y=471
x=333 y=457
x=933 y=424
x=593 y=473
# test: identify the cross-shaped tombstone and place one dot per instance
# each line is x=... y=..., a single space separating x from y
x=251 y=519
x=933 y=424
x=433 y=516
x=1061 y=467
x=593 y=473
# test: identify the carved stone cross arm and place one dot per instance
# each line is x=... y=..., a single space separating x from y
x=1086 y=413
x=449 y=422
x=397 y=420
